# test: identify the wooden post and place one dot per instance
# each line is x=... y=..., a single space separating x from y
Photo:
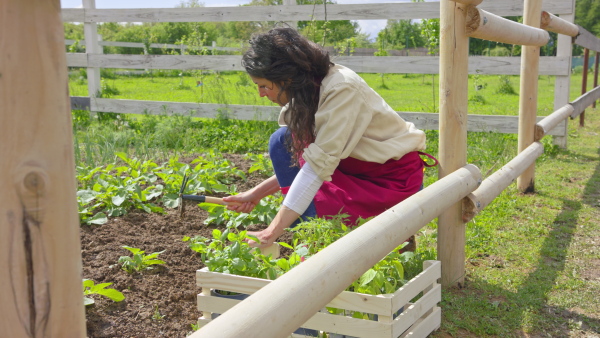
x=596 y=75
x=530 y=62
x=454 y=64
x=90 y=31
x=562 y=83
x=40 y=253
x=586 y=65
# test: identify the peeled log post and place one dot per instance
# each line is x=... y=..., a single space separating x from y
x=530 y=64
x=289 y=301
x=41 y=289
x=484 y=25
x=454 y=67
x=596 y=75
x=493 y=186
x=552 y=23
x=549 y=122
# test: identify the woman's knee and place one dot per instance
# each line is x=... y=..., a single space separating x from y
x=277 y=140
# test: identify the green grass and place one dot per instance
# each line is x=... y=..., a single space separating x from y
x=404 y=92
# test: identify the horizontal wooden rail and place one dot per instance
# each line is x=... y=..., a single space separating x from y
x=152 y=45
x=584 y=101
x=543 y=127
x=485 y=25
x=469 y=2
x=492 y=186
x=552 y=23
x=396 y=11
x=549 y=65
x=314 y=283
x=427 y=121
x=587 y=40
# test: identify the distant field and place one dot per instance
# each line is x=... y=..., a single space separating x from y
x=404 y=92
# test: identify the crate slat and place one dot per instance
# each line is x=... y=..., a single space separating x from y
x=417 y=310
x=424 y=326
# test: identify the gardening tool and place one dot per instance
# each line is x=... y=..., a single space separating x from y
x=198 y=198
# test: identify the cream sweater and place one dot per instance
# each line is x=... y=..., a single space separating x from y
x=354 y=121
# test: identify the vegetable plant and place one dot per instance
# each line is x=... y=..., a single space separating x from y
x=139 y=261
x=91 y=288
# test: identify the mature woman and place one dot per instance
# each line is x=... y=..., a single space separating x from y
x=341 y=148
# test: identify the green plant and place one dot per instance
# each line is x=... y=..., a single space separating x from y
x=91 y=288
x=228 y=252
x=156 y=315
x=505 y=86
x=139 y=262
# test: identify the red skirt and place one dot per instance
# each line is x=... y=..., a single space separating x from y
x=363 y=189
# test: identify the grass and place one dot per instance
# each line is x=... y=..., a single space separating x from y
x=532 y=259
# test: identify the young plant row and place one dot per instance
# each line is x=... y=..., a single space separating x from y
x=112 y=190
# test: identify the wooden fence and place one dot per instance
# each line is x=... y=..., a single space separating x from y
x=93 y=59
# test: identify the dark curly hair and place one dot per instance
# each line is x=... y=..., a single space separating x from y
x=297 y=65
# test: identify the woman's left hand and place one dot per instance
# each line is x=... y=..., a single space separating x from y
x=265 y=237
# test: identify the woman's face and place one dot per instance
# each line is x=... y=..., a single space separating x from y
x=270 y=90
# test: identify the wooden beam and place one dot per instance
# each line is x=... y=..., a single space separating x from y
x=493 y=186
x=552 y=23
x=549 y=65
x=543 y=127
x=375 y=11
x=584 y=101
x=596 y=62
x=530 y=56
x=469 y=2
x=335 y=270
x=39 y=229
x=587 y=40
x=454 y=53
x=485 y=25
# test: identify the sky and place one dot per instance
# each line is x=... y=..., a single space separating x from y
x=371 y=27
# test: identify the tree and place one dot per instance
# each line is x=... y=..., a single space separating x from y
x=402 y=34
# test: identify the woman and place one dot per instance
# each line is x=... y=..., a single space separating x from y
x=341 y=148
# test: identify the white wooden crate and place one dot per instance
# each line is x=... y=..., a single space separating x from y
x=418 y=319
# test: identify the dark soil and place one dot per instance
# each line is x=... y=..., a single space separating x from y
x=159 y=302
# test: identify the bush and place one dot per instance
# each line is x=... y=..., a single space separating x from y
x=505 y=86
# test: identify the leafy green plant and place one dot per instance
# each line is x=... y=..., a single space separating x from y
x=139 y=262
x=263 y=213
x=228 y=252
x=505 y=86
x=91 y=288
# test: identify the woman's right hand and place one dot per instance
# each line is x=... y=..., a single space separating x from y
x=246 y=201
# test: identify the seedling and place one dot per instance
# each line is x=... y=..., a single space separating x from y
x=91 y=288
x=139 y=261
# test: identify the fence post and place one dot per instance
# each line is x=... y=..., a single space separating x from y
x=562 y=83
x=454 y=64
x=90 y=30
x=586 y=65
x=595 y=75
x=530 y=63
x=39 y=228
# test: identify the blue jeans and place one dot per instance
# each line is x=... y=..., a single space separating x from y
x=284 y=171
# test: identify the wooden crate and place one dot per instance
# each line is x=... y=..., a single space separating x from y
x=418 y=319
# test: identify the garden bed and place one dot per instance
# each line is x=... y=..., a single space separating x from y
x=419 y=318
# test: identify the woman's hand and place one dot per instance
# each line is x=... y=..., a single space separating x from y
x=246 y=201
x=265 y=236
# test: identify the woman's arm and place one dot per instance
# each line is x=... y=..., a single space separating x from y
x=249 y=199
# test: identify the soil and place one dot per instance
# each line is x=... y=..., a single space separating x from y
x=160 y=302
